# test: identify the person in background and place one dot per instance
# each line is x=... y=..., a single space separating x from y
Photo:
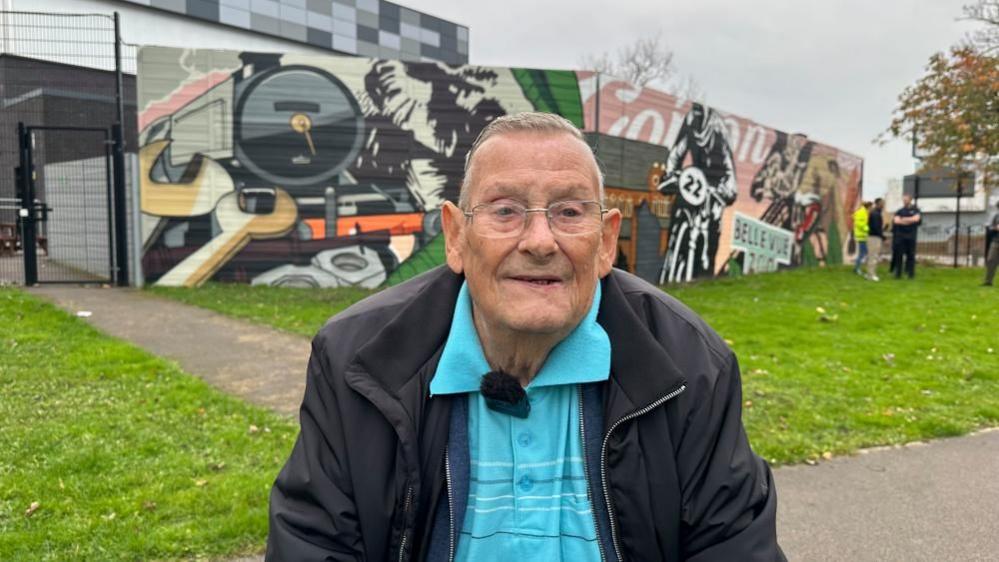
x=860 y=231
x=991 y=247
x=875 y=238
x=904 y=225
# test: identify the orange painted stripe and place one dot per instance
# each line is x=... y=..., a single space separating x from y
x=317 y=226
x=396 y=224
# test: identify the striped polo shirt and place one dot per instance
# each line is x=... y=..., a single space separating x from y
x=528 y=484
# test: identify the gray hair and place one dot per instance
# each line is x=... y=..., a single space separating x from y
x=535 y=122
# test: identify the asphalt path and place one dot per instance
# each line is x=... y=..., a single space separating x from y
x=930 y=501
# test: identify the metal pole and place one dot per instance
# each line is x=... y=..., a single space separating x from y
x=27 y=211
x=967 y=248
x=957 y=218
x=118 y=139
x=597 y=119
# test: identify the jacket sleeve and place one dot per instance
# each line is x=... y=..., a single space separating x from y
x=729 y=506
x=312 y=510
x=860 y=226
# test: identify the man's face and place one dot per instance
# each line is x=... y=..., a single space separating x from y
x=537 y=282
x=906 y=200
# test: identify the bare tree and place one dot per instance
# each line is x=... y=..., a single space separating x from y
x=986 y=39
x=648 y=61
x=688 y=88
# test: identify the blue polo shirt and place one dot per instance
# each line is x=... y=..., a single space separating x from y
x=528 y=494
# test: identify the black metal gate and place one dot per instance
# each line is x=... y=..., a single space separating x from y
x=65 y=220
x=63 y=76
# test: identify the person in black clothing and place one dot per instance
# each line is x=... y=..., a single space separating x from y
x=875 y=237
x=991 y=247
x=904 y=225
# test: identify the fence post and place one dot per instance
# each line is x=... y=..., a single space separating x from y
x=25 y=178
x=118 y=158
x=968 y=247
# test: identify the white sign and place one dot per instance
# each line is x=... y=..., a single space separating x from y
x=764 y=246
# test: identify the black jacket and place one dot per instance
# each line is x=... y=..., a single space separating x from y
x=875 y=223
x=367 y=470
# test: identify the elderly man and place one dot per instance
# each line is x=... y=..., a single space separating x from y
x=526 y=401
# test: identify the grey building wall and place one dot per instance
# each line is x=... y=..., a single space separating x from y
x=372 y=28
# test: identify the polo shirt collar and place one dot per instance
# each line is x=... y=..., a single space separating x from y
x=583 y=356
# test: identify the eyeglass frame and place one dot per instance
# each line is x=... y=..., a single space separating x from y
x=470 y=215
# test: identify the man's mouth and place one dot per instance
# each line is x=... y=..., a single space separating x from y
x=537 y=280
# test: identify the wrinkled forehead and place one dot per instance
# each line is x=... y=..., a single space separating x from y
x=538 y=165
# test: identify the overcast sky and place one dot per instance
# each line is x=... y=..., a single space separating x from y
x=830 y=69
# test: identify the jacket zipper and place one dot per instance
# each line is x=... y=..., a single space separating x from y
x=405 y=523
x=586 y=473
x=450 y=505
x=603 y=461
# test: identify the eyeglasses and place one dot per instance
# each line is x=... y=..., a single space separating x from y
x=508 y=219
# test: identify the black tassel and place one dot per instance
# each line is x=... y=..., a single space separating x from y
x=503 y=393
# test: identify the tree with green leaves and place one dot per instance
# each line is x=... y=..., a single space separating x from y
x=952 y=112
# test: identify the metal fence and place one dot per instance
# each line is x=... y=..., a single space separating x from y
x=948 y=246
x=64 y=80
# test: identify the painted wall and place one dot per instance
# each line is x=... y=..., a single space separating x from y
x=326 y=171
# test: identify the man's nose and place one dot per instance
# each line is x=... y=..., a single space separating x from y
x=537 y=238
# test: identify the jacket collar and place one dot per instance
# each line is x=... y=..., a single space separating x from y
x=641 y=370
x=415 y=335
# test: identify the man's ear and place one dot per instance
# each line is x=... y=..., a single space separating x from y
x=453 y=225
x=607 y=254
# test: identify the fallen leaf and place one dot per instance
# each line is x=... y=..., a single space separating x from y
x=201 y=483
x=149 y=505
x=749 y=403
x=201 y=412
x=729 y=342
x=218 y=466
x=810 y=462
x=827 y=455
x=61 y=485
x=32 y=509
x=254 y=429
x=110 y=516
x=820 y=310
x=84 y=313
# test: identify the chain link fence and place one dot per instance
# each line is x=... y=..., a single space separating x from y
x=61 y=76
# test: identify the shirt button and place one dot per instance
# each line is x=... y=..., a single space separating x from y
x=525 y=483
x=524 y=439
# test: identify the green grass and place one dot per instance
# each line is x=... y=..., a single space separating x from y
x=128 y=457
x=832 y=362
x=886 y=363
x=299 y=311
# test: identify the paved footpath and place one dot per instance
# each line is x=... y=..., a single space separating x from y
x=261 y=365
x=929 y=501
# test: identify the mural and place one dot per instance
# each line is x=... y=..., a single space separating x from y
x=327 y=171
